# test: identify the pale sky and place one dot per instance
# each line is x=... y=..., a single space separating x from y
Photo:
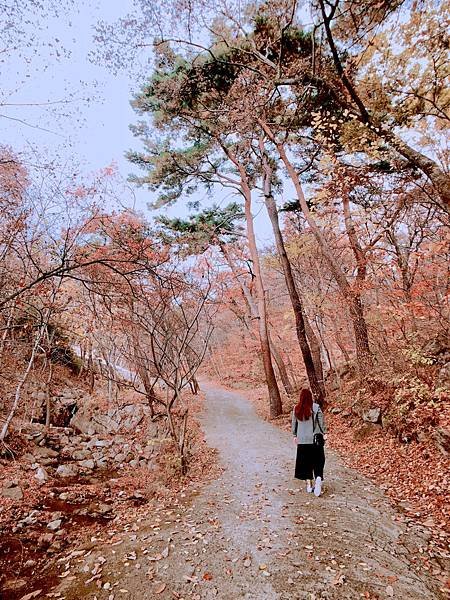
x=94 y=133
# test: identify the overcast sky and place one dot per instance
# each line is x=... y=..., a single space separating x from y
x=92 y=133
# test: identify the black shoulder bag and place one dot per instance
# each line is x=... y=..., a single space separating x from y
x=318 y=439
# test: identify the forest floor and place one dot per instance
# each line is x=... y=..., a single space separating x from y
x=255 y=533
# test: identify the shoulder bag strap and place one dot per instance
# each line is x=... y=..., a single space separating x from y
x=316 y=420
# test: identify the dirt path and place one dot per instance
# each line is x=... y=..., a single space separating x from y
x=255 y=534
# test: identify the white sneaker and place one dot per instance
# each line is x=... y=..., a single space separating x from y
x=318 y=486
x=309 y=488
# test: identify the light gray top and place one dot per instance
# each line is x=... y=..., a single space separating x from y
x=305 y=430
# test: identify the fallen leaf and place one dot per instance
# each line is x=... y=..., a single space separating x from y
x=160 y=588
x=31 y=595
x=207 y=576
x=62 y=575
x=262 y=567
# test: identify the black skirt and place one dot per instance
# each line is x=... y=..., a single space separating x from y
x=310 y=461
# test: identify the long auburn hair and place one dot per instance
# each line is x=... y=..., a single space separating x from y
x=304 y=408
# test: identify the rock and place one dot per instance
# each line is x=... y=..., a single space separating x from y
x=132 y=422
x=105 y=424
x=10 y=483
x=104 y=508
x=54 y=525
x=54 y=547
x=29 y=519
x=67 y=471
x=82 y=423
x=44 y=452
x=97 y=510
x=101 y=463
x=13 y=492
x=336 y=410
x=372 y=415
x=30 y=563
x=45 y=539
x=442 y=440
x=119 y=458
x=29 y=457
x=12 y=585
x=81 y=455
x=138 y=495
x=133 y=463
x=90 y=421
x=38 y=438
x=41 y=475
x=102 y=443
x=87 y=464
x=47 y=462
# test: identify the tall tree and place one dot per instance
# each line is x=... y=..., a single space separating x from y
x=218 y=226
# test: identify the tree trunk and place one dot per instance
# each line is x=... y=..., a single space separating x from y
x=356 y=308
x=182 y=443
x=20 y=385
x=48 y=403
x=363 y=355
x=7 y=327
x=316 y=354
x=316 y=386
x=340 y=343
x=284 y=376
x=194 y=386
x=274 y=393
x=253 y=311
x=276 y=407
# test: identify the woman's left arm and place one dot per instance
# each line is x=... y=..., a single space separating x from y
x=321 y=420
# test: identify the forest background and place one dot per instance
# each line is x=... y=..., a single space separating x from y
x=296 y=159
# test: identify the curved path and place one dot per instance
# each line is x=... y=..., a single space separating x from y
x=255 y=534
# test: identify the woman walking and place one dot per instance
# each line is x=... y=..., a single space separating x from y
x=308 y=428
